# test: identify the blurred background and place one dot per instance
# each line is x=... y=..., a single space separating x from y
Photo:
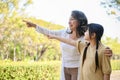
x=28 y=55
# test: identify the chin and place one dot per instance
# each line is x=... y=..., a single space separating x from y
x=71 y=29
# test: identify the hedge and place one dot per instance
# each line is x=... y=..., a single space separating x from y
x=29 y=70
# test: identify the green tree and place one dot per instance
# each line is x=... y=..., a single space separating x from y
x=19 y=42
x=114 y=44
x=112 y=7
x=10 y=23
x=9 y=8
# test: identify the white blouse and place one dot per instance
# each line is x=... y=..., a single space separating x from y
x=70 y=55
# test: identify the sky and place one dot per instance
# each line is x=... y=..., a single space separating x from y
x=58 y=12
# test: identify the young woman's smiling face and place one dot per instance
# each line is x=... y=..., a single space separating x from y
x=73 y=23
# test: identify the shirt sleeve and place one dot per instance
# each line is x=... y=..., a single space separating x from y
x=106 y=65
x=80 y=46
x=47 y=31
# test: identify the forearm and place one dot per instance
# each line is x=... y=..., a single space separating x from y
x=38 y=28
x=42 y=30
x=46 y=31
x=68 y=41
x=106 y=76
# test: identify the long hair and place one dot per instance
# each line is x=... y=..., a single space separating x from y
x=98 y=30
x=82 y=19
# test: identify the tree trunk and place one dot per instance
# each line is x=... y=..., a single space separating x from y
x=14 y=54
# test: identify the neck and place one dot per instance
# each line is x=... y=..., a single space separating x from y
x=73 y=35
x=93 y=43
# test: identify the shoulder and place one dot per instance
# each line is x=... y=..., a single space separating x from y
x=101 y=49
x=81 y=44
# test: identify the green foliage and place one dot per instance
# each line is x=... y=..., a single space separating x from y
x=112 y=7
x=36 y=70
x=11 y=7
x=29 y=70
x=16 y=40
x=115 y=64
x=114 y=44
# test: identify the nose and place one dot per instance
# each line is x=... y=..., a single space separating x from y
x=85 y=33
x=69 y=22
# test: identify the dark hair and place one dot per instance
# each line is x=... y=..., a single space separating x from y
x=82 y=19
x=98 y=30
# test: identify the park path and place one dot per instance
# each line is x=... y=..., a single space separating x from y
x=115 y=75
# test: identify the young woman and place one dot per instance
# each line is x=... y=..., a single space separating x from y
x=94 y=64
x=70 y=56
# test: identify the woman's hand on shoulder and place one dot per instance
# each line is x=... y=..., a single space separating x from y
x=108 y=52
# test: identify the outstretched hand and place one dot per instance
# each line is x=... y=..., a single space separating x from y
x=29 y=24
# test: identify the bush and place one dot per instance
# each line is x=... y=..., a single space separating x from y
x=115 y=64
x=29 y=70
x=36 y=70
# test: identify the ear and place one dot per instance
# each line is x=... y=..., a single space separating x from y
x=93 y=36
